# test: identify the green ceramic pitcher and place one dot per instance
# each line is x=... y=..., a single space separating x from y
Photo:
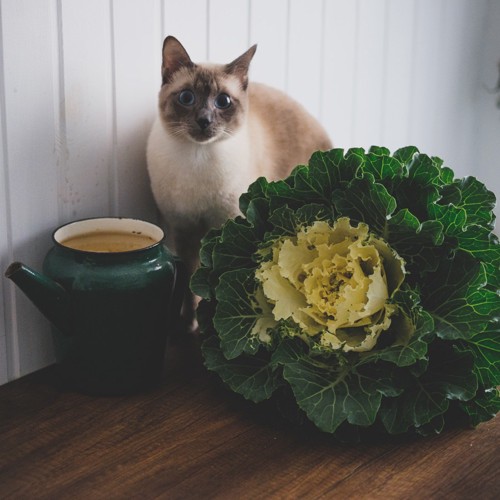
x=112 y=307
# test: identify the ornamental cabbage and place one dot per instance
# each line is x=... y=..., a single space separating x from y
x=334 y=282
x=360 y=293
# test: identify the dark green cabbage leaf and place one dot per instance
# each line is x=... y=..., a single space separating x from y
x=447 y=369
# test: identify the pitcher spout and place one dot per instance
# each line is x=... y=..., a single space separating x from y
x=48 y=296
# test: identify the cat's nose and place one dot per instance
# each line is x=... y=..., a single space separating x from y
x=203 y=122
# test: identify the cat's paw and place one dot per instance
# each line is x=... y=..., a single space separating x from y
x=187 y=324
x=192 y=327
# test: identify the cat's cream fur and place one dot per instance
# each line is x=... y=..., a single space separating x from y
x=197 y=174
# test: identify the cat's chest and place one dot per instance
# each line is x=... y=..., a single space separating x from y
x=193 y=178
x=207 y=168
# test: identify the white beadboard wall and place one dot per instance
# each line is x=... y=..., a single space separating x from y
x=79 y=79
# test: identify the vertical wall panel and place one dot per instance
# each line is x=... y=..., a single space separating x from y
x=5 y=256
x=425 y=77
x=188 y=22
x=228 y=29
x=455 y=104
x=269 y=30
x=87 y=74
x=137 y=77
x=30 y=162
x=305 y=64
x=462 y=47
x=339 y=68
x=369 y=75
x=5 y=236
x=485 y=150
x=398 y=69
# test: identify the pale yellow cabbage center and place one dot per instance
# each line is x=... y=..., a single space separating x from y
x=334 y=282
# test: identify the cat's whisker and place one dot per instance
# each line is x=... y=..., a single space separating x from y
x=180 y=130
x=227 y=133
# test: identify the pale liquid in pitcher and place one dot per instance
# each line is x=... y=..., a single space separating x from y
x=108 y=241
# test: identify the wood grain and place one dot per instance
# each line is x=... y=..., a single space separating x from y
x=190 y=438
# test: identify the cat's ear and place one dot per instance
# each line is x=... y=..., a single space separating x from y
x=239 y=67
x=174 y=58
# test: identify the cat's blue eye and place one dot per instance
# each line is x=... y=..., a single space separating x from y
x=186 y=98
x=222 y=101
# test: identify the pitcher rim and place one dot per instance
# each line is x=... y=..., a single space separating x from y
x=158 y=239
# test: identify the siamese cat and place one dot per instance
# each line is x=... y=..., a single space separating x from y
x=216 y=133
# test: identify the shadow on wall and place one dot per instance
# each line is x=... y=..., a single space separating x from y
x=497 y=88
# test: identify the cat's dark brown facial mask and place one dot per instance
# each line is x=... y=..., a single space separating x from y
x=202 y=102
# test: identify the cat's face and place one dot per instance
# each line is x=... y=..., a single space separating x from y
x=202 y=102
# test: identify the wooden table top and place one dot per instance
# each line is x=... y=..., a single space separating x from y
x=190 y=438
